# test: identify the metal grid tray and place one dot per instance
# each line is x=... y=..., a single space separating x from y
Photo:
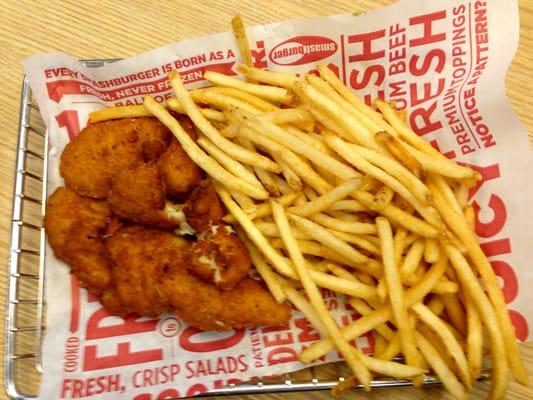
x=25 y=316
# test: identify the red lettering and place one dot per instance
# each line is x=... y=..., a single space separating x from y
x=196 y=389
x=487 y=173
x=128 y=326
x=124 y=356
x=433 y=54
x=510 y=282
x=168 y=394
x=428 y=35
x=492 y=228
x=259 y=55
x=369 y=72
x=278 y=339
x=69 y=119
x=308 y=333
x=366 y=40
x=282 y=355
x=426 y=125
x=520 y=325
x=186 y=341
x=413 y=89
x=496 y=247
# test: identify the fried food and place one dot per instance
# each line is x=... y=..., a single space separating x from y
x=140 y=252
x=91 y=161
x=219 y=257
x=74 y=225
x=203 y=208
x=138 y=194
x=178 y=172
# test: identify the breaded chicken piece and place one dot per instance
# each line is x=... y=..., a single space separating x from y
x=219 y=257
x=74 y=226
x=178 y=172
x=203 y=207
x=198 y=303
x=138 y=194
x=91 y=160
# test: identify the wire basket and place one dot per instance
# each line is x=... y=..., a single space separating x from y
x=25 y=316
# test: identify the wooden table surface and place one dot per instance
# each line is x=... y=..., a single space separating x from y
x=111 y=29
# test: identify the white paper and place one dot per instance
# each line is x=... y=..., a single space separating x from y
x=445 y=61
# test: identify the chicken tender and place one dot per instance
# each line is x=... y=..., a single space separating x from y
x=91 y=160
x=178 y=172
x=219 y=256
x=138 y=194
x=203 y=207
x=74 y=226
x=197 y=302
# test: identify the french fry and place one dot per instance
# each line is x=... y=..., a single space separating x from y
x=209 y=113
x=441 y=166
x=440 y=367
x=352 y=355
x=301 y=303
x=448 y=339
x=431 y=250
x=239 y=30
x=117 y=112
x=397 y=149
x=229 y=163
x=474 y=338
x=264 y=210
x=255 y=235
x=263 y=175
x=361 y=228
x=392 y=350
x=296 y=116
x=258 y=104
x=461 y=195
x=396 y=295
x=360 y=241
x=326 y=200
x=380 y=316
x=233 y=150
x=346 y=151
x=459 y=226
x=330 y=77
x=398 y=216
x=349 y=125
x=397 y=170
x=205 y=162
x=273 y=78
x=382 y=198
x=314 y=248
x=269 y=93
x=489 y=317
x=271 y=279
x=297 y=145
x=300 y=166
x=292 y=178
x=221 y=100
x=455 y=311
x=412 y=259
x=329 y=240
x=399 y=245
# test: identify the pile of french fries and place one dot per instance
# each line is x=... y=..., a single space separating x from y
x=328 y=192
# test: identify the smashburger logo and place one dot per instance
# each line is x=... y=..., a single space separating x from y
x=302 y=50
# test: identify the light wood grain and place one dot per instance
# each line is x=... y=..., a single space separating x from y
x=110 y=29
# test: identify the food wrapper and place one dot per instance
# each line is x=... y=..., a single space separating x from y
x=444 y=61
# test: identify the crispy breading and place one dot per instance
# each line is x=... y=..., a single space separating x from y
x=91 y=160
x=219 y=257
x=179 y=173
x=198 y=303
x=203 y=207
x=138 y=194
x=74 y=225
